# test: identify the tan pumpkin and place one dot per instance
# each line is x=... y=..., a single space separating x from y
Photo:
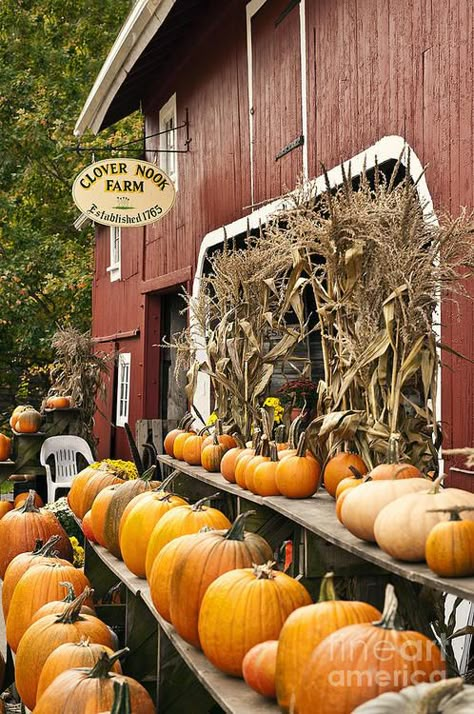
x=44 y=636
x=338 y=468
x=92 y=690
x=5 y=447
x=362 y=505
x=139 y=524
x=298 y=476
x=305 y=628
x=17 y=411
x=181 y=521
x=449 y=548
x=22 y=527
x=86 y=485
x=39 y=585
x=402 y=527
x=226 y=631
x=200 y=561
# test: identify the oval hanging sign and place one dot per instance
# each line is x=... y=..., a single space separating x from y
x=123 y=192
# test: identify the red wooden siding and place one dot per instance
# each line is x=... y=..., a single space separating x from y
x=373 y=69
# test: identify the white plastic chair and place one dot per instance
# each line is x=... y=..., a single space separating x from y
x=64 y=450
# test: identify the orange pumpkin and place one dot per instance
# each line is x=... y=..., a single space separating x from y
x=180 y=521
x=22 y=527
x=449 y=548
x=258 y=668
x=171 y=435
x=298 y=476
x=27 y=422
x=262 y=457
x=159 y=577
x=40 y=584
x=44 y=636
x=338 y=468
x=57 y=607
x=5 y=447
x=211 y=455
x=70 y=655
x=264 y=477
x=393 y=468
x=21 y=498
x=58 y=402
x=5 y=507
x=180 y=440
x=192 y=448
x=92 y=690
x=17 y=411
x=229 y=459
x=351 y=482
x=305 y=628
x=226 y=631
x=86 y=485
x=357 y=663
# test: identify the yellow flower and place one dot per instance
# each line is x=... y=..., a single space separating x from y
x=78 y=553
x=275 y=404
x=212 y=419
x=123 y=469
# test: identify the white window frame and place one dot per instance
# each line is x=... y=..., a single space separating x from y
x=169 y=139
x=115 y=269
x=123 y=388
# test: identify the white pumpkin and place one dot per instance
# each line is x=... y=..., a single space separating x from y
x=449 y=696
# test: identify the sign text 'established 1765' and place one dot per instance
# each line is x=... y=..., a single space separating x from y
x=123 y=192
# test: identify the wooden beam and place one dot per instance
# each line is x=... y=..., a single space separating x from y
x=164 y=282
x=118 y=336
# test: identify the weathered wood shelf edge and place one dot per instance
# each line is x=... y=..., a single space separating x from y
x=317 y=514
x=233 y=695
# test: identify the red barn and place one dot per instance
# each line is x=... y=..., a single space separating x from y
x=242 y=98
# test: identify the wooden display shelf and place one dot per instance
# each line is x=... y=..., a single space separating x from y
x=231 y=694
x=317 y=515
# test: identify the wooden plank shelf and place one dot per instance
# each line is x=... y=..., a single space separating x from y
x=232 y=695
x=317 y=515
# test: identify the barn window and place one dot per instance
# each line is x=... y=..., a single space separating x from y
x=123 y=388
x=115 y=253
x=168 y=124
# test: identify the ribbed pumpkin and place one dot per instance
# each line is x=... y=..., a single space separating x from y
x=193 y=446
x=305 y=628
x=122 y=703
x=226 y=440
x=338 y=468
x=359 y=662
x=22 y=527
x=363 y=504
x=21 y=498
x=449 y=548
x=57 y=607
x=22 y=562
x=98 y=511
x=69 y=655
x=159 y=577
x=244 y=457
x=27 y=422
x=394 y=468
x=138 y=526
x=227 y=630
x=258 y=668
x=402 y=527
x=298 y=476
x=180 y=440
x=264 y=476
x=180 y=521
x=92 y=690
x=17 y=411
x=171 y=435
x=211 y=455
x=5 y=447
x=117 y=506
x=39 y=585
x=86 y=485
x=200 y=561
x=44 y=636
x=229 y=459
x=5 y=507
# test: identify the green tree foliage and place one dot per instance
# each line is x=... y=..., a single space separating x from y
x=50 y=54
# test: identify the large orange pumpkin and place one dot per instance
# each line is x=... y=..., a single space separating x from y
x=258 y=668
x=305 y=628
x=361 y=661
x=22 y=527
x=5 y=447
x=139 y=524
x=39 y=585
x=338 y=468
x=227 y=632
x=92 y=690
x=180 y=521
x=86 y=485
x=69 y=655
x=298 y=476
x=220 y=551
x=44 y=636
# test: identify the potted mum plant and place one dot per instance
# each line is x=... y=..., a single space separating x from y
x=300 y=395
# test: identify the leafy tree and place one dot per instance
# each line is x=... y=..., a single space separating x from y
x=50 y=54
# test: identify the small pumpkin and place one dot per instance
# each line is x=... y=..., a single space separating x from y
x=180 y=440
x=226 y=631
x=22 y=527
x=229 y=460
x=44 y=636
x=5 y=447
x=305 y=628
x=170 y=437
x=183 y=520
x=21 y=498
x=226 y=440
x=5 y=507
x=357 y=479
x=27 y=422
x=58 y=402
x=338 y=468
x=86 y=485
x=211 y=455
x=298 y=476
x=159 y=577
x=92 y=690
x=261 y=457
x=402 y=527
x=193 y=446
x=17 y=411
x=244 y=457
x=356 y=663
x=449 y=548
x=393 y=468
x=264 y=477
x=258 y=668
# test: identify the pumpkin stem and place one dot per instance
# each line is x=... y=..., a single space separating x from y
x=237 y=529
x=84 y=641
x=70 y=594
x=148 y=474
x=265 y=571
x=29 y=504
x=389 y=613
x=122 y=703
x=454 y=511
x=264 y=447
x=101 y=669
x=357 y=474
x=437 y=484
x=73 y=610
x=257 y=435
x=202 y=431
x=239 y=440
x=280 y=434
x=198 y=505
x=218 y=429
x=393 y=449
x=273 y=451
x=300 y=452
x=47 y=549
x=327 y=590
